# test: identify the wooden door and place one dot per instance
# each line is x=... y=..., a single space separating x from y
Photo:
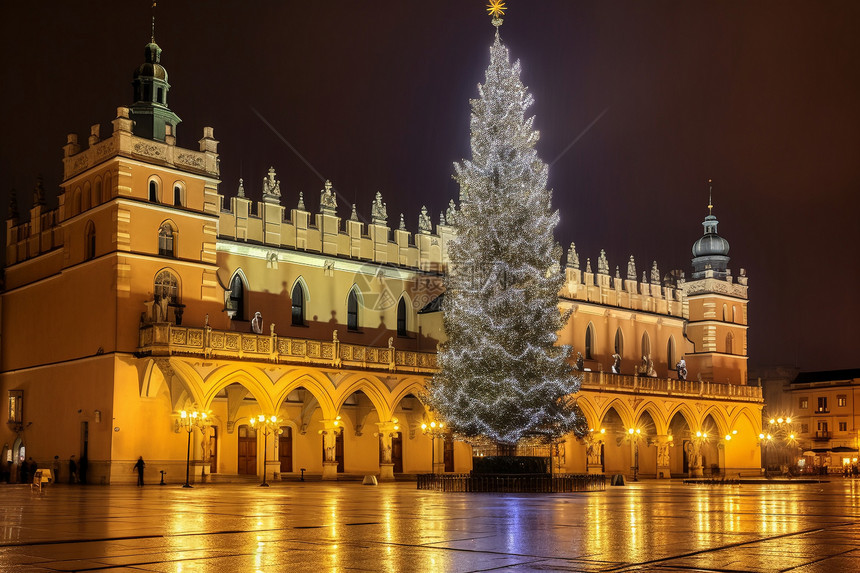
x=285 y=449
x=247 y=450
x=213 y=450
x=448 y=453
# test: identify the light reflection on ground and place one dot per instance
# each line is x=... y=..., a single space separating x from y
x=393 y=527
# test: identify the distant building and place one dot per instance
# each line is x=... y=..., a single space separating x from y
x=137 y=297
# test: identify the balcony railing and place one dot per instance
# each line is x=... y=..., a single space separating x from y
x=822 y=435
x=603 y=381
x=164 y=339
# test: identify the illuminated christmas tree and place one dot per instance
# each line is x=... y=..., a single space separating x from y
x=501 y=375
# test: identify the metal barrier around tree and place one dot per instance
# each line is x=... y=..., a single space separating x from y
x=512 y=483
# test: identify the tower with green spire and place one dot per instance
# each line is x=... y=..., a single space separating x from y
x=149 y=111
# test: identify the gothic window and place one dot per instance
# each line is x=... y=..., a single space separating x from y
x=730 y=340
x=97 y=193
x=670 y=352
x=76 y=202
x=236 y=300
x=90 y=241
x=589 y=342
x=166 y=287
x=619 y=342
x=401 y=318
x=177 y=195
x=153 y=191
x=166 y=240
x=352 y=311
x=298 y=297
x=734 y=314
x=725 y=313
x=646 y=344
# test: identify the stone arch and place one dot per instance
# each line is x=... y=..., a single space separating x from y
x=317 y=384
x=746 y=415
x=414 y=386
x=589 y=411
x=173 y=377
x=375 y=391
x=686 y=413
x=661 y=424
x=623 y=410
x=717 y=414
x=247 y=376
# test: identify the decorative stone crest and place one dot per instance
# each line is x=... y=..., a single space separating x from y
x=301 y=205
x=424 y=224
x=241 y=191
x=602 y=263
x=572 y=257
x=354 y=216
x=655 y=274
x=379 y=211
x=271 y=187
x=402 y=223
x=588 y=265
x=442 y=220
x=631 y=269
x=328 y=200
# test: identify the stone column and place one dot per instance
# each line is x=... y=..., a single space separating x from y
x=662 y=444
x=387 y=431
x=329 y=433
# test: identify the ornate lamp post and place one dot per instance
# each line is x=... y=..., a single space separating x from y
x=434 y=430
x=189 y=421
x=633 y=436
x=267 y=426
x=778 y=431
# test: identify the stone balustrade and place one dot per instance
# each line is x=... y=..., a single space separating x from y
x=166 y=339
x=602 y=381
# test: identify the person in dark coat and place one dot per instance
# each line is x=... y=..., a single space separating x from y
x=139 y=467
x=73 y=470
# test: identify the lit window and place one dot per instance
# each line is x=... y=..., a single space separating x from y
x=298 y=305
x=352 y=311
x=842 y=401
x=236 y=301
x=90 y=241
x=166 y=287
x=401 y=318
x=804 y=403
x=165 y=240
x=822 y=404
x=16 y=406
x=843 y=426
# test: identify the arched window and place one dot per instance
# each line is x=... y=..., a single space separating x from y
x=177 y=195
x=236 y=300
x=352 y=310
x=166 y=287
x=619 y=342
x=730 y=341
x=725 y=313
x=589 y=342
x=90 y=241
x=401 y=318
x=87 y=197
x=97 y=193
x=153 y=191
x=646 y=344
x=298 y=297
x=670 y=352
x=165 y=240
x=76 y=201
x=734 y=314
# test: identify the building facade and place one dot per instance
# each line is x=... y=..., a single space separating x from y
x=149 y=291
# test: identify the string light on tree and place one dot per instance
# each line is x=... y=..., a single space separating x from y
x=501 y=376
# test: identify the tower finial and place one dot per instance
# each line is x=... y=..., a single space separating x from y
x=710 y=197
x=496 y=9
x=153 y=23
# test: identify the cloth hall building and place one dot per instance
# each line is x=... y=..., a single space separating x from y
x=151 y=278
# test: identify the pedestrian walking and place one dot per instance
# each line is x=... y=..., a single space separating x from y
x=73 y=470
x=55 y=469
x=139 y=467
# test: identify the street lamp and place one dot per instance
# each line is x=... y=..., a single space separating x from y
x=633 y=436
x=433 y=430
x=267 y=426
x=189 y=421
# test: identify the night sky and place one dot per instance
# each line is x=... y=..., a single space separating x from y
x=763 y=97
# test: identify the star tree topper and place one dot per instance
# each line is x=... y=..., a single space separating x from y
x=496 y=9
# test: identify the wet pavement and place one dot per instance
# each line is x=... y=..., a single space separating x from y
x=296 y=527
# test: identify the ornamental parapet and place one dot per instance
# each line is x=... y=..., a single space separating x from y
x=602 y=382
x=714 y=285
x=166 y=339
